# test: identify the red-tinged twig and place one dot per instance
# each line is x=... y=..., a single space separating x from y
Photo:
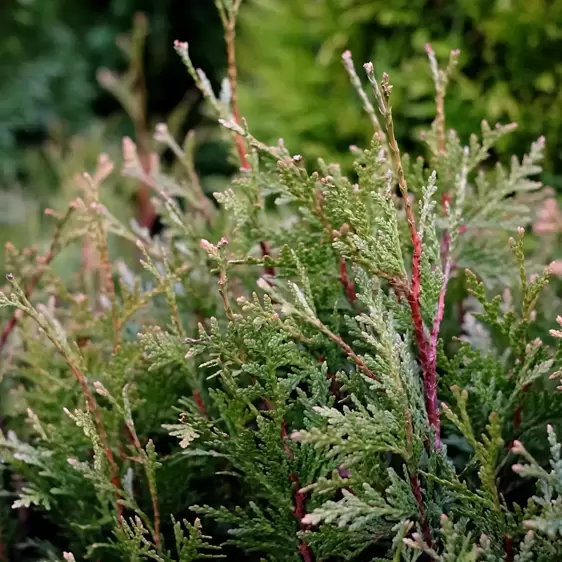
x=306 y=553
x=264 y=246
x=43 y=264
x=132 y=434
x=431 y=386
x=300 y=498
x=93 y=407
x=518 y=414
x=440 y=303
x=8 y=328
x=382 y=95
x=348 y=285
x=229 y=24
x=508 y=549
x=361 y=365
x=416 y=490
x=434 y=336
x=196 y=394
x=427 y=358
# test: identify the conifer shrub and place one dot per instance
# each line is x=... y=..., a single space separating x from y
x=315 y=368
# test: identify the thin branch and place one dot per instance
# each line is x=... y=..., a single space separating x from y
x=300 y=498
x=196 y=394
x=356 y=83
x=416 y=490
x=440 y=79
x=508 y=546
x=93 y=407
x=346 y=349
x=264 y=246
x=186 y=159
x=348 y=284
x=229 y=25
x=223 y=290
x=144 y=459
x=43 y=264
x=447 y=263
x=518 y=414
x=147 y=297
x=382 y=95
x=107 y=276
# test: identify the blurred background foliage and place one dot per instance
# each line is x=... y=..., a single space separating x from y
x=295 y=87
x=55 y=117
x=51 y=51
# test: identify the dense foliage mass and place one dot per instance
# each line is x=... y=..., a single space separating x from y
x=314 y=368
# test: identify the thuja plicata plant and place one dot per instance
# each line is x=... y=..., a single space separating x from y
x=314 y=368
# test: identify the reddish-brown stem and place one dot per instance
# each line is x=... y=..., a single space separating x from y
x=300 y=498
x=428 y=367
x=508 y=549
x=361 y=365
x=43 y=263
x=93 y=407
x=200 y=404
x=132 y=435
x=230 y=37
x=413 y=296
x=348 y=285
x=426 y=357
x=107 y=280
x=264 y=246
x=8 y=328
x=306 y=553
x=431 y=378
x=517 y=416
x=416 y=490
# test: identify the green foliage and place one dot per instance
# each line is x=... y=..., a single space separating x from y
x=269 y=378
